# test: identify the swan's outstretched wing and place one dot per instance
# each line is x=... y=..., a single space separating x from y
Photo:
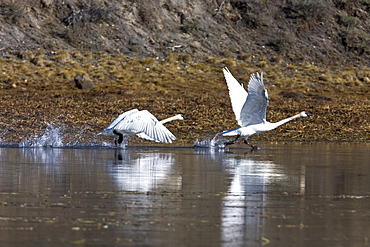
x=237 y=94
x=146 y=137
x=254 y=109
x=120 y=117
x=145 y=122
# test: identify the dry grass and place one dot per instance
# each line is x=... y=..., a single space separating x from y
x=35 y=92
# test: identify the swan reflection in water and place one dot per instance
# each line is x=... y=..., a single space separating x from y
x=252 y=175
x=244 y=203
x=143 y=171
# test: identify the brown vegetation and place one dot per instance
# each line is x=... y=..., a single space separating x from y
x=35 y=94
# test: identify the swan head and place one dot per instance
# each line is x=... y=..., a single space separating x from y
x=181 y=117
x=305 y=114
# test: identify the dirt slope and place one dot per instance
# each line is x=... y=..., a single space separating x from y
x=328 y=31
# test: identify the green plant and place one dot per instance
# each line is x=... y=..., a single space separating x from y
x=348 y=21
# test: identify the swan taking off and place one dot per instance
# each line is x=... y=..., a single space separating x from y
x=140 y=123
x=250 y=108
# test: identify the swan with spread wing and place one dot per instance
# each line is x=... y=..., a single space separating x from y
x=140 y=123
x=250 y=108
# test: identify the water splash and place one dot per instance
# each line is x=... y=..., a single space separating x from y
x=60 y=136
x=215 y=142
x=78 y=137
x=51 y=138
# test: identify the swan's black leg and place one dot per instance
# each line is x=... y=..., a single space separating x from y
x=120 y=138
x=232 y=142
x=253 y=146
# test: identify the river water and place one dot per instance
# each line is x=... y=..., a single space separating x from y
x=284 y=194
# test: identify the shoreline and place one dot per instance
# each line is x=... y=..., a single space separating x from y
x=32 y=95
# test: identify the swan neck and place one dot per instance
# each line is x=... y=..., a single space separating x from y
x=286 y=120
x=168 y=119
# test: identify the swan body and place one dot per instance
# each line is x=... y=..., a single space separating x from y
x=140 y=123
x=250 y=108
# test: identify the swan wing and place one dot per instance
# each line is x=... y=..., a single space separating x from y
x=146 y=137
x=120 y=118
x=254 y=109
x=146 y=126
x=237 y=94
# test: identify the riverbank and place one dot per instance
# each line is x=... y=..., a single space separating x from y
x=40 y=88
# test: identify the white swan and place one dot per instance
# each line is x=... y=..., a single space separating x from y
x=250 y=108
x=140 y=123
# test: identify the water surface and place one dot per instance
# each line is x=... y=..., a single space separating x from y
x=282 y=195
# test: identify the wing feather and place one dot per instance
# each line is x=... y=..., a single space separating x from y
x=237 y=94
x=254 y=109
x=120 y=117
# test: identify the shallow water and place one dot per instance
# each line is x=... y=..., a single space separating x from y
x=282 y=195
